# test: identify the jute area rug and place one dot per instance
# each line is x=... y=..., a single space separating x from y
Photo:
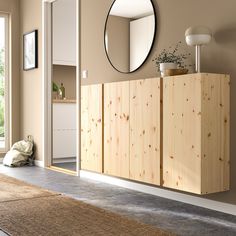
x=26 y=210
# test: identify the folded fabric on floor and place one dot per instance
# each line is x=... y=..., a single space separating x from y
x=20 y=153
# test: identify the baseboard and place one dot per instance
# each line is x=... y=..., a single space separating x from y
x=39 y=163
x=36 y=162
x=189 y=199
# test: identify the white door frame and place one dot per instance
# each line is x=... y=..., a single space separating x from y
x=47 y=84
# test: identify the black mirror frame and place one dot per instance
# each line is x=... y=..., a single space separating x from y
x=153 y=41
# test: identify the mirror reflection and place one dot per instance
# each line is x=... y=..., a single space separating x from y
x=129 y=33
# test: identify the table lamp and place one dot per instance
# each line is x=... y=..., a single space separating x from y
x=198 y=36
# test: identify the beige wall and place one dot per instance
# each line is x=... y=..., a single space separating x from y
x=174 y=17
x=118 y=32
x=31 y=81
x=67 y=76
x=93 y=17
x=12 y=8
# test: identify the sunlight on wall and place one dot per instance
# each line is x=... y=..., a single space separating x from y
x=2 y=79
x=2 y=29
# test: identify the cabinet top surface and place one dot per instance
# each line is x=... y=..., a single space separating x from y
x=198 y=75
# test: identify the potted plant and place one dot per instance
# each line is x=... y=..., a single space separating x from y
x=55 y=90
x=170 y=59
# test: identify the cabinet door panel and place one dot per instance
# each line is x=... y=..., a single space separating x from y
x=64 y=143
x=116 y=129
x=196 y=133
x=64 y=32
x=182 y=133
x=64 y=116
x=145 y=130
x=91 y=128
x=64 y=130
x=215 y=135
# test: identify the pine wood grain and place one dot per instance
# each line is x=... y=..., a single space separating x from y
x=145 y=130
x=116 y=129
x=196 y=133
x=91 y=127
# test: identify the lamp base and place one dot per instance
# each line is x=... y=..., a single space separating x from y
x=197 y=59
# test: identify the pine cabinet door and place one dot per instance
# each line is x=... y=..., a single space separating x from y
x=196 y=133
x=91 y=127
x=145 y=130
x=116 y=129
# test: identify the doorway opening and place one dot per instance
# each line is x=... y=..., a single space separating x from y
x=4 y=83
x=61 y=85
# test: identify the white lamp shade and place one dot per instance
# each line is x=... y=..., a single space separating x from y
x=198 y=35
x=198 y=39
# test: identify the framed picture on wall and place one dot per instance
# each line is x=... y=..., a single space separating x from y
x=30 y=50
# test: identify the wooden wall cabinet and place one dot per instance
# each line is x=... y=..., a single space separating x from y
x=116 y=129
x=92 y=128
x=145 y=130
x=196 y=121
x=182 y=143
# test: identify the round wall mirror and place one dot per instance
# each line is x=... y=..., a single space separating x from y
x=129 y=33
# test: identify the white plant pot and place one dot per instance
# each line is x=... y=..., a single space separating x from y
x=166 y=66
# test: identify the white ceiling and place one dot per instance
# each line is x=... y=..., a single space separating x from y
x=132 y=8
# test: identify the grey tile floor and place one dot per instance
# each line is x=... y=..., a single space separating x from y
x=2 y=233
x=177 y=217
x=66 y=165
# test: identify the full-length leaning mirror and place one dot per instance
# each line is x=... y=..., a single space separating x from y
x=129 y=33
